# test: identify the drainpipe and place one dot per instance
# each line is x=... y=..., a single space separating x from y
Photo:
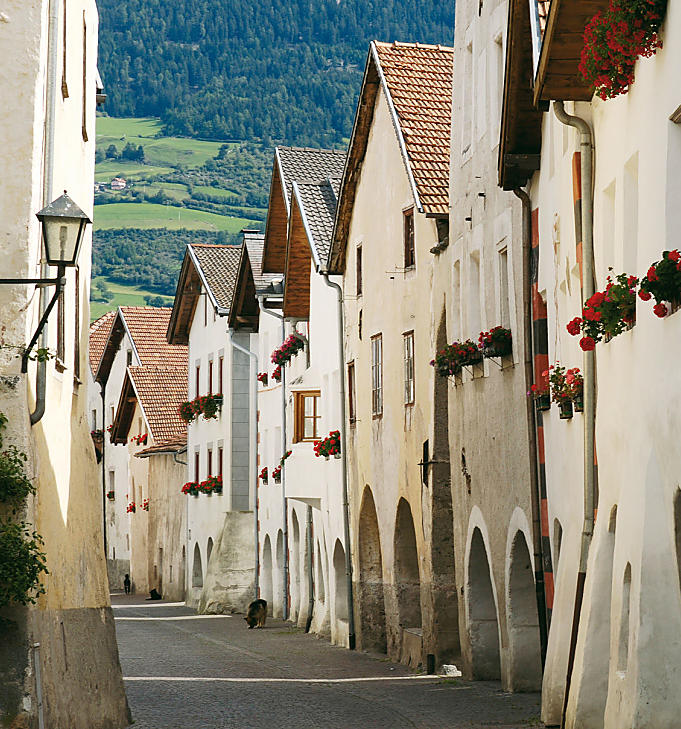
x=185 y=449
x=254 y=449
x=344 y=458
x=310 y=573
x=48 y=177
x=103 y=390
x=535 y=496
x=277 y=315
x=586 y=149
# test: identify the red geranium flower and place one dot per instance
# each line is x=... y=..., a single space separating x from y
x=660 y=310
x=587 y=344
x=574 y=326
x=674 y=256
x=644 y=295
x=652 y=274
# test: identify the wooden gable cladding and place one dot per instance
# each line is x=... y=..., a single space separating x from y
x=276 y=227
x=186 y=300
x=298 y=268
x=558 y=77
x=124 y=412
x=520 y=143
x=245 y=310
x=353 y=168
x=110 y=349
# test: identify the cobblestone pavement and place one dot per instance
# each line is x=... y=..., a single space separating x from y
x=186 y=671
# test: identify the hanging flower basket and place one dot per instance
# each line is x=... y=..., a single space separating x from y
x=264 y=475
x=276 y=374
x=575 y=384
x=329 y=446
x=276 y=474
x=607 y=313
x=262 y=378
x=497 y=342
x=615 y=39
x=541 y=396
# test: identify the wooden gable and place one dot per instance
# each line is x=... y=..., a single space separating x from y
x=244 y=312
x=186 y=299
x=125 y=412
x=298 y=268
x=276 y=227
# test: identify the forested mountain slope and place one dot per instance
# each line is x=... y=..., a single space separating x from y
x=262 y=70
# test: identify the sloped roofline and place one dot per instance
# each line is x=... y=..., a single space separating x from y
x=113 y=332
x=219 y=310
x=306 y=226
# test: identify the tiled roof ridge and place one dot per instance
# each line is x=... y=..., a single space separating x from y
x=415 y=44
x=312 y=149
x=102 y=320
x=145 y=308
x=213 y=245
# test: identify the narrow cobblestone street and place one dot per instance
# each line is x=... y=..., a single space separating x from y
x=188 y=671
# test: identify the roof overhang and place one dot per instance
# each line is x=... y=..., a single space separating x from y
x=244 y=313
x=119 y=329
x=557 y=74
x=298 y=265
x=187 y=296
x=520 y=142
x=125 y=411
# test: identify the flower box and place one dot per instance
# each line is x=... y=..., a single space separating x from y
x=262 y=378
x=131 y=508
x=276 y=374
x=212 y=485
x=329 y=446
x=111 y=495
x=453 y=357
x=497 y=342
x=276 y=474
x=206 y=405
x=663 y=283
x=145 y=505
x=289 y=349
x=191 y=488
x=565 y=407
x=264 y=475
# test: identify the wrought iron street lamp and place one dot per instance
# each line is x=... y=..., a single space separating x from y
x=63 y=225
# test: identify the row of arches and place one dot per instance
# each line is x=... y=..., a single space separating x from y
x=197 y=564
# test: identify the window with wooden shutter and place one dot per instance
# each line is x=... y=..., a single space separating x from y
x=352 y=395
x=377 y=375
x=408 y=368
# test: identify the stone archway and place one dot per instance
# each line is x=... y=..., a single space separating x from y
x=339 y=574
x=525 y=672
x=278 y=607
x=370 y=594
x=483 y=626
x=209 y=550
x=266 y=590
x=197 y=568
x=408 y=587
x=295 y=569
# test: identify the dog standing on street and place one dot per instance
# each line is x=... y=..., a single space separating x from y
x=257 y=614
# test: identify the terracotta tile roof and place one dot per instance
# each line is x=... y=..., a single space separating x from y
x=419 y=80
x=147 y=326
x=219 y=266
x=160 y=391
x=99 y=333
x=171 y=445
x=303 y=164
x=318 y=201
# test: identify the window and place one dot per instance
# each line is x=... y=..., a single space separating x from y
x=409 y=254
x=209 y=463
x=205 y=310
x=220 y=461
x=377 y=375
x=198 y=379
x=352 y=397
x=128 y=358
x=196 y=466
x=504 y=308
x=409 y=368
x=210 y=376
x=76 y=336
x=308 y=416
x=473 y=297
x=221 y=362
x=112 y=481
x=359 y=271
x=85 y=81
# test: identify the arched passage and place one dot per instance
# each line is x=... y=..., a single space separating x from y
x=266 y=591
x=482 y=614
x=370 y=594
x=321 y=591
x=407 y=578
x=295 y=568
x=523 y=624
x=341 y=596
x=278 y=609
x=209 y=550
x=197 y=569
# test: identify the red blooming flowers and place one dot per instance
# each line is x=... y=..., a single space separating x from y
x=615 y=39
x=329 y=446
x=453 y=357
x=497 y=342
x=262 y=378
x=131 y=508
x=289 y=349
x=263 y=475
x=276 y=375
x=190 y=488
x=606 y=313
x=206 y=405
x=663 y=282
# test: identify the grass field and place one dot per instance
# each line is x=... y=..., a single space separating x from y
x=158 y=150
x=151 y=215
x=106 y=171
x=123 y=296
x=217 y=191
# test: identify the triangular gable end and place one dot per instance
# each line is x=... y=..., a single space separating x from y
x=274 y=252
x=298 y=266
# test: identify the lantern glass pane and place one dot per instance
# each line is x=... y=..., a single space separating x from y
x=62 y=238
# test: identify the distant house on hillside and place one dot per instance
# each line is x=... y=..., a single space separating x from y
x=118 y=183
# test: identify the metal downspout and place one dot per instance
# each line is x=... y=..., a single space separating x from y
x=535 y=496
x=48 y=178
x=586 y=149
x=276 y=315
x=254 y=449
x=344 y=460
x=103 y=389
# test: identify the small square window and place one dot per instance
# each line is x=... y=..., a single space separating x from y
x=307 y=416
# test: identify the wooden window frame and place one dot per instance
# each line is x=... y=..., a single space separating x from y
x=221 y=363
x=197 y=466
x=220 y=461
x=358 y=271
x=197 y=370
x=408 y=235
x=377 y=376
x=409 y=379
x=352 y=393
x=210 y=378
x=300 y=418
x=209 y=463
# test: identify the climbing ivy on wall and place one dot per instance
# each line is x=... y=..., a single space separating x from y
x=22 y=561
